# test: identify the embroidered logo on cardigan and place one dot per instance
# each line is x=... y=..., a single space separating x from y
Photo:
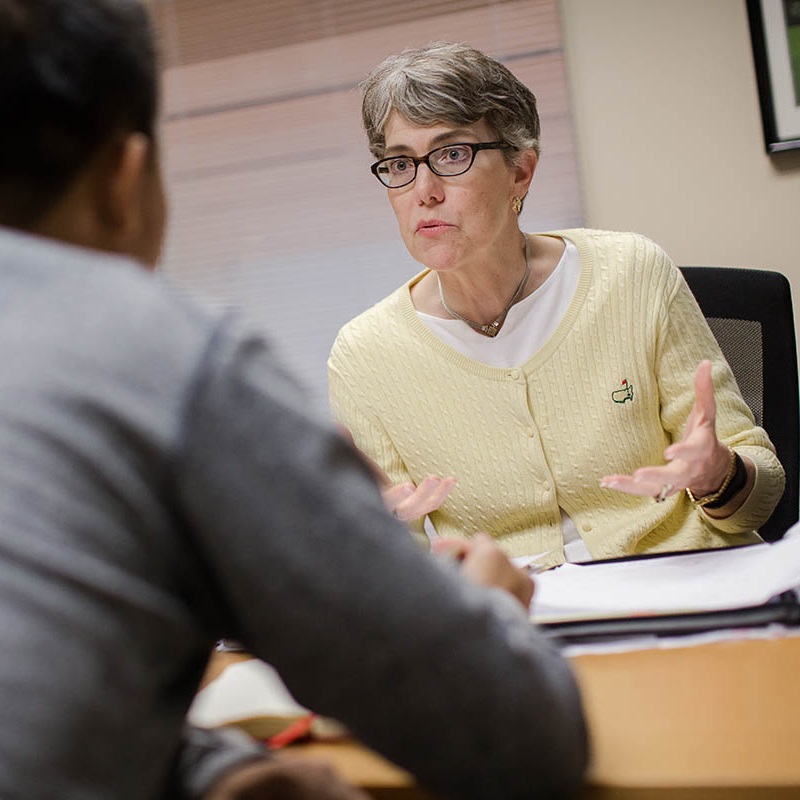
x=624 y=394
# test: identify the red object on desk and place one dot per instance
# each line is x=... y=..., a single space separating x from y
x=297 y=731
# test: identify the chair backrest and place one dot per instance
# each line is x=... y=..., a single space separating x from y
x=750 y=313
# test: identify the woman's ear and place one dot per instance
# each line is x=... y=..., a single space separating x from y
x=523 y=172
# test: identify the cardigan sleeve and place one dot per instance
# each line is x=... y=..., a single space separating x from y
x=685 y=340
x=316 y=578
x=349 y=408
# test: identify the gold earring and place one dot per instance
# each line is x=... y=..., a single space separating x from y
x=516 y=205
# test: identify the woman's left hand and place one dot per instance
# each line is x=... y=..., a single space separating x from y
x=699 y=461
x=484 y=563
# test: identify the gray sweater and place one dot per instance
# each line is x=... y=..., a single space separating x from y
x=162 y=485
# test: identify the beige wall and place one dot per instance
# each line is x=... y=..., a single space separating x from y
x=669 y=132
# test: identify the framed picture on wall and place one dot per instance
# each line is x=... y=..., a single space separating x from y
x=775 y=34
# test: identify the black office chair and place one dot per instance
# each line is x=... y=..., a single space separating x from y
x=750 y=313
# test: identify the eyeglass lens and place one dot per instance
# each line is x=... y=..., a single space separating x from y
x=453 y=159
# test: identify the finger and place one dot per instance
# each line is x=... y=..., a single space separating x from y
x=407 y=501
x=704 y=392
x=487 y=565
x=434 y=493
x=394 y=495
x=426 y=497
x=673 y=473
x=446 y=545
x=651 y=485
x=399 y=491
x=694 y=449
x=451 y=549
x=431 y=488
x=627 y=485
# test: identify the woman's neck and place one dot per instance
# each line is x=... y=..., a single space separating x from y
x=482 y=293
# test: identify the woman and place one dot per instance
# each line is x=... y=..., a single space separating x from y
x=540 y=370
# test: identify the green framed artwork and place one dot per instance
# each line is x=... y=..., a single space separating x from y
x=775 y=36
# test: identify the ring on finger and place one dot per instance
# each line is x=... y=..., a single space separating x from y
x=664 y=493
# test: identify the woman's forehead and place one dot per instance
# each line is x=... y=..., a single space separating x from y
x=400 y=133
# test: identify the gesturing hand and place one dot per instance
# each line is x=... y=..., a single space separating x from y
x=407 y=501
x=699 y=461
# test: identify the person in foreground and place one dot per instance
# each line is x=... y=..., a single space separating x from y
x=161 y=488
x=521 y=382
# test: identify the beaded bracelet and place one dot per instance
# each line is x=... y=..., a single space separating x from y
x=735 y=479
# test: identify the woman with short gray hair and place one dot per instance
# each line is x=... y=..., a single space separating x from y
x=541 y=370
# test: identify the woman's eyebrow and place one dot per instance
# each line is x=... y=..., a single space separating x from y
x=458 y=133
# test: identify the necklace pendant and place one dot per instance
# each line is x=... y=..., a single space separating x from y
x=493 y=328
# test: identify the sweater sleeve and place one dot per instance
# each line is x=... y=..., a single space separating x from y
x=350 y=407
x=315 y=577
x=686 y=339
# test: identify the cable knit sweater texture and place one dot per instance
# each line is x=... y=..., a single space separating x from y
x=606 y=394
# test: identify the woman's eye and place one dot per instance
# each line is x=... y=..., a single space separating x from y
x=455 y=154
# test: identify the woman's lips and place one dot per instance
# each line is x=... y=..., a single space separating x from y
x=432 y=227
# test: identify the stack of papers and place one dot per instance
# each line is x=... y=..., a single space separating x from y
x=711 y=580
x=597 y=594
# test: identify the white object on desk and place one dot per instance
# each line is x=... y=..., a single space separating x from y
x=712 y=580
x=245 y=690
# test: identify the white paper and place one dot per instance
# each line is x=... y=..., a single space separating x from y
x=709 y=581
x=244 y=690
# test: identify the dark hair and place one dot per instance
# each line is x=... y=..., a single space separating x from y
x=73 y=74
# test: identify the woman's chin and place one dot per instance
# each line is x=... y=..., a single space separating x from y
x=438 y=256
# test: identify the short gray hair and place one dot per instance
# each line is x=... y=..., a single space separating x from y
x=449 y=83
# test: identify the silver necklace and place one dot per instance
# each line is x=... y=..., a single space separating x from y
x=493 y=328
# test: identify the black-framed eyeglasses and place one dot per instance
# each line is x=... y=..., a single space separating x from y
x=447 y=161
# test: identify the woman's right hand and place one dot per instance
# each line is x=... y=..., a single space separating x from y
x=407 y=501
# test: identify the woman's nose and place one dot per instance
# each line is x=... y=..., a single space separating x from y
x=428 y=185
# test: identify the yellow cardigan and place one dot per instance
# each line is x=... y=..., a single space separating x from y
x=606 y=394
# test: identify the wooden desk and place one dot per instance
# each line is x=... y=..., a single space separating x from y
x=722 y=718
x=718 y=721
